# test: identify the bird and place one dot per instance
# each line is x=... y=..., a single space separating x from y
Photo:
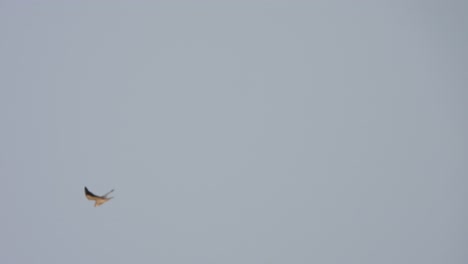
x=98 y=199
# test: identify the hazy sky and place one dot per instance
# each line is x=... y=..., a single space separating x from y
x=234 y=132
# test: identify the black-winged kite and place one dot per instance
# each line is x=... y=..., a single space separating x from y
x=98 y=199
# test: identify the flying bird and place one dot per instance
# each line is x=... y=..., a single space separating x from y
x=98 y=199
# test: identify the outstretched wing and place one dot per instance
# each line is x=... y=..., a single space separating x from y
x=90 y=195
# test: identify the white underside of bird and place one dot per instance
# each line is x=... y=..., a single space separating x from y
x=99 y=200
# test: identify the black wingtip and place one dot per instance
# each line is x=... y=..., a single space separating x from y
x=87 y=191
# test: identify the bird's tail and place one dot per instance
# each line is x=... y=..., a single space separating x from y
x=108 y=193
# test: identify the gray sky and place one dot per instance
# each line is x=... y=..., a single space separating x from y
x=234 y=131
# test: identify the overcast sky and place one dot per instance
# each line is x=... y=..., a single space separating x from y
x=234 y=132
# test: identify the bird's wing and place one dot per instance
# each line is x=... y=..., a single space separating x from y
x=90 y=195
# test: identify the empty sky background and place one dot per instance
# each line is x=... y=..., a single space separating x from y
x=234 y=132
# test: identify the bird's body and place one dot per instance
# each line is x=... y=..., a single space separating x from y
x=99 y=200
